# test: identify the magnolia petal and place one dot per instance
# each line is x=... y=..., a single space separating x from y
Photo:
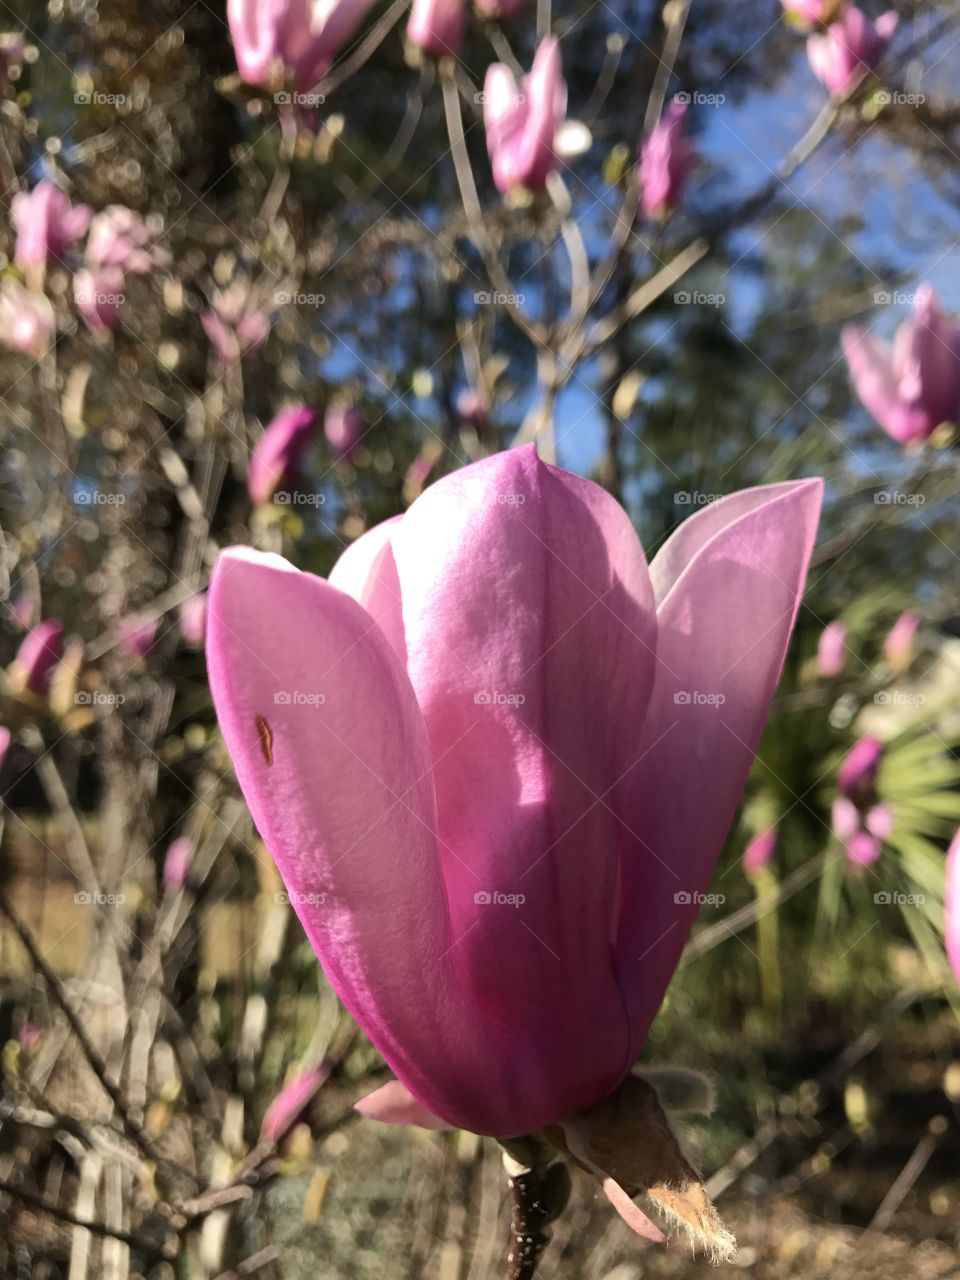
x=876 y=383
x=312 y=703
x=393 y=1103
x=699 y=529
x=526 y=599
x=728 y=597
x=367 y=572
x=925 y=363
x=631 y=1213
x=879 y=821
x=844 y=819
x=864 y=849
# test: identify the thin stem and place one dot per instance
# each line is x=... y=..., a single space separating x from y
x=56 y=988
x=735 y=923
x=474 y=212
x=150 y=1249
x=365 y=50
x=539 y=1197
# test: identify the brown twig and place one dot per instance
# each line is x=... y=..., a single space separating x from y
x=56 y=988
x=250 y=1266
x=149 y=1248
x=714 y=934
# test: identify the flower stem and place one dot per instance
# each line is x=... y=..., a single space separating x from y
x=539 y=1197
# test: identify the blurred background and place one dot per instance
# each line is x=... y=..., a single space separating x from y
x=156 y=991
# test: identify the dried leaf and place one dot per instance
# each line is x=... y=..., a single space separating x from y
x=626 y=1140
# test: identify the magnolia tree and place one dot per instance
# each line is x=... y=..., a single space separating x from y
x=478 y=495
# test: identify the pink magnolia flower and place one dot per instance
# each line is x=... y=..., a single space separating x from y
x=119 y=238
x=46 y=223
x=844 y=819
x=858 y=772
x=899 y=646
x=343 y=429
x=39 y=652
x=275 y=459
x=27 y=321
x=290 y=1103
x=436 y=26
x=951 y=906
x=472 y=408
x=176 y=864
x=915 y=386
x=235 y=323
x=193 y=619
x=98 y=295
x=522 y=121
x=136 y=636
x=486 y=666
x=862 y=832
x=760 y=850
x=666 y=157
x=860 y=823
x=832 y=650
x=879 y=821
x=849 y=49
x=296 y=39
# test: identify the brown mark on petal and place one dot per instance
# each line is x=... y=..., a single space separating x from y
x=266 y=739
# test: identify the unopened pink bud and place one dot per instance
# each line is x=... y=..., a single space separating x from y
x=289 y=1104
